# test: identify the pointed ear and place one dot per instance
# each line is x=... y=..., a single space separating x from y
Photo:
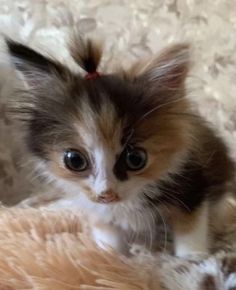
x=167 y=71
x=36 y=69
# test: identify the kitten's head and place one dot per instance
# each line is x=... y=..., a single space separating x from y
x=109 y=136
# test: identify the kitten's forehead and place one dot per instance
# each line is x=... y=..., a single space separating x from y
x=127 y=99
x=99 y=128
x=106 y=107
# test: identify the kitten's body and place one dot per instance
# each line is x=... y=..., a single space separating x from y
x=108 y=116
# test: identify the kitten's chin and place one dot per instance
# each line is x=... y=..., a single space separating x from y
x=106 y=202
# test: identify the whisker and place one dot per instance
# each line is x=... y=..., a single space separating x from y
x=174 y=197
x=185 y=114
x=159 y=107
x=152 y=228
x=138 y=226
x=156 y=209
x=165 y=229
x=130 y=135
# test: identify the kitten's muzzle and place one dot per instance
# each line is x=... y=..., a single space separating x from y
x=108 y=196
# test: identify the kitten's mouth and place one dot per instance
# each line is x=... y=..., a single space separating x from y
x=108 y=198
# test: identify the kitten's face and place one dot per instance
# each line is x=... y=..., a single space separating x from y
x=109 y=138
x=107 y=156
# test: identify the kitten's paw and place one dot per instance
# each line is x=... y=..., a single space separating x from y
x=189 y=248
x=187 y=254
x=195 y=257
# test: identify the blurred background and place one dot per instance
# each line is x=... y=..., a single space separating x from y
x=132 y=30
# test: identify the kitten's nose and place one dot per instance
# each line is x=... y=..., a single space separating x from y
x=108 y=196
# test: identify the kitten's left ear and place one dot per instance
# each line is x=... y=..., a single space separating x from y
x=167 y=71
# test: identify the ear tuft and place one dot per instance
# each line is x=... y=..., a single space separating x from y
x=24 y=57
x=168 y=70
x=86 y=53
x=36 y=69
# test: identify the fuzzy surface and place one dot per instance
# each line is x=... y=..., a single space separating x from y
x=132 y=30
x=40 y=249
x=44 y=249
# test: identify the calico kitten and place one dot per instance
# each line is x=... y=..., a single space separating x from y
x=126 y=146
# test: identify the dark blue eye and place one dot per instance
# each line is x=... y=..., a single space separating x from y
x=75 y=160
x=136 y=158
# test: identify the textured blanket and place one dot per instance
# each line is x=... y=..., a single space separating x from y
x=42 y=249
x=133 y=30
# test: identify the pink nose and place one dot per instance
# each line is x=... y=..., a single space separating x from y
x=108 y=196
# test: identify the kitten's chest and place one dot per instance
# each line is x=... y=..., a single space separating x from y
x=130 y=217
x=145 y=227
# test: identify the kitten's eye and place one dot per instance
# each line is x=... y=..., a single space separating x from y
x=76 y=161
x=136 y=158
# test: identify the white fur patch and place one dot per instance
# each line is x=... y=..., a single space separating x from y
x=196 y=240
x=110 y=237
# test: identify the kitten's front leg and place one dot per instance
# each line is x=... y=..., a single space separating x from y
x=191 y=232
x=108 y=236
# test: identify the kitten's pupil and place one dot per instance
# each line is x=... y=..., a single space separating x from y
x=75 y=160
x=136 y=158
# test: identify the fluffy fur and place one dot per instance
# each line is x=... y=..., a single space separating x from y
x=43 y=249
x=188 y=166
x=56 y=254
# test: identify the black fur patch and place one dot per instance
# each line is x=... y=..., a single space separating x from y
x=187 y=190
x=120 y=169
x=129 y=99
x=26 y=56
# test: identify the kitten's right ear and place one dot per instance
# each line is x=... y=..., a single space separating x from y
x=167 y=71
x=35 y=68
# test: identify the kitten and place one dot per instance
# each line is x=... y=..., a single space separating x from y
x=125 y=147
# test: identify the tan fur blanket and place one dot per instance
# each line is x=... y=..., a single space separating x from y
x=47 y=250
x=43 y=249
